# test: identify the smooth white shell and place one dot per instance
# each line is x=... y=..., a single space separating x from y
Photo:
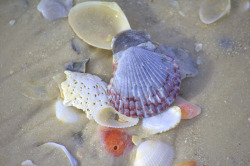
x=66 y=114
x=212 y=10
x=162 y=122
x=106 y=116
x=97 y=22
x=54 y=9
x=84 y=91
x=154 y=153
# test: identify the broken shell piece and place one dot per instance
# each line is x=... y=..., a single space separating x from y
x=72 y=160
x=27 y=163
x=77 y=66
x=108 y=117
x=97 y=22
x=154 y=153
x=54 y=9
x=163 y=122
x=136 y=140
x=84 y=91
x=212 y=10
x=66 y=114
x=188 y=110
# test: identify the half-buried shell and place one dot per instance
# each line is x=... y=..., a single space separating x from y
x=143 y=83
x=108 y=117
x=97 y=22
x=154 y=153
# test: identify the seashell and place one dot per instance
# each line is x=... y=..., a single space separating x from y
x=108 y=117
x=66 y=114
x=188 y=110
x=154 y=153
x=73 y=161
x=136 y=140
x=54 y=9
x=27 y=163
x=84 y=91
x=212 y=10
x=189 y=163
x=116 y=141
x=97 y=22
x=143 y=83
x=162 y=122
x=77 y=66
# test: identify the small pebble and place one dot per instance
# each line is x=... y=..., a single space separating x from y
x=12 y=22
x=198 y=47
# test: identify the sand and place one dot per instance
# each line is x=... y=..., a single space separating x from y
x=33 y=52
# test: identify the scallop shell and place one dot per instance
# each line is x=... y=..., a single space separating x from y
x=107 y=116
x=212 y=10
x=162 y=122
x=154 y=153
x=97 y=22
x=144 y=83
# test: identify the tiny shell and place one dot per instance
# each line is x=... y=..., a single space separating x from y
x=162 y=122
x=84 y=91
x=212 y=10
x=97 y=22
x=189 y=163
x=106 y=116
x=154 y=153
x=54 y=9
x=66 y=114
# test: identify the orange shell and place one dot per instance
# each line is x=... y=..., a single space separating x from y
x=189 y=163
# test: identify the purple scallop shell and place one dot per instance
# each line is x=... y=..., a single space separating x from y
x=144 y=83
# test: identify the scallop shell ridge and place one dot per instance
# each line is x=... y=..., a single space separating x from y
x=144 y=83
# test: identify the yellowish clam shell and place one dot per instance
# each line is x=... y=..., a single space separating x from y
x=97 y=22
x=108 y=117
x=212 y=10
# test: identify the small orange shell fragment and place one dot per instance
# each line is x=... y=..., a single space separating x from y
x=189 y=163
x=188 y=110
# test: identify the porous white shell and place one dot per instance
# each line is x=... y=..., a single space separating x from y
x=212 y=10
x=54 y=9
x=107 y=116
x=84 y=91
x=66 y=114
x=97 y=22
x=72 y=160
x=154 y=153
x=144 y=83
x=162 y=122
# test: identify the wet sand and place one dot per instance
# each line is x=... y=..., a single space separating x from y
x=34 y=51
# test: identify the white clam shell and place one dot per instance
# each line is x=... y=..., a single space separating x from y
x=97 y=22
x=66 y=114
x=162 y=122
x=84 y=91
x=212 y=10
x=106 y=116
x=54 y=9
x=154 y=153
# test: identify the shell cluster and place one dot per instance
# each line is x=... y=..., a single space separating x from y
x=144 y=83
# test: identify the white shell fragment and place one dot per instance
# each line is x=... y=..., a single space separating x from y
x=154 y=153
x=84 y=91
x=66 y=114
x=54 y=9
x=97 y=22
x=27 y=163
x=212 y=10
x=162 y=122
x=72 y=160
x=108 y=117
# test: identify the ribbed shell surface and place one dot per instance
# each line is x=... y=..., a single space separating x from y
x=144 y=83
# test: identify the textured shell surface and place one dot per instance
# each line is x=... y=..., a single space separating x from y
x=163 y=121
x=154 y=153
x=84 y=91
x=108 y=117
x=144 y=83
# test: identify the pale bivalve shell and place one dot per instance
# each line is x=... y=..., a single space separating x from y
x=84 y=91
x=154 y=153
x=162 y=122
x=108 y=117
x=97 y=22
x=143 y=83
x=212 y=10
